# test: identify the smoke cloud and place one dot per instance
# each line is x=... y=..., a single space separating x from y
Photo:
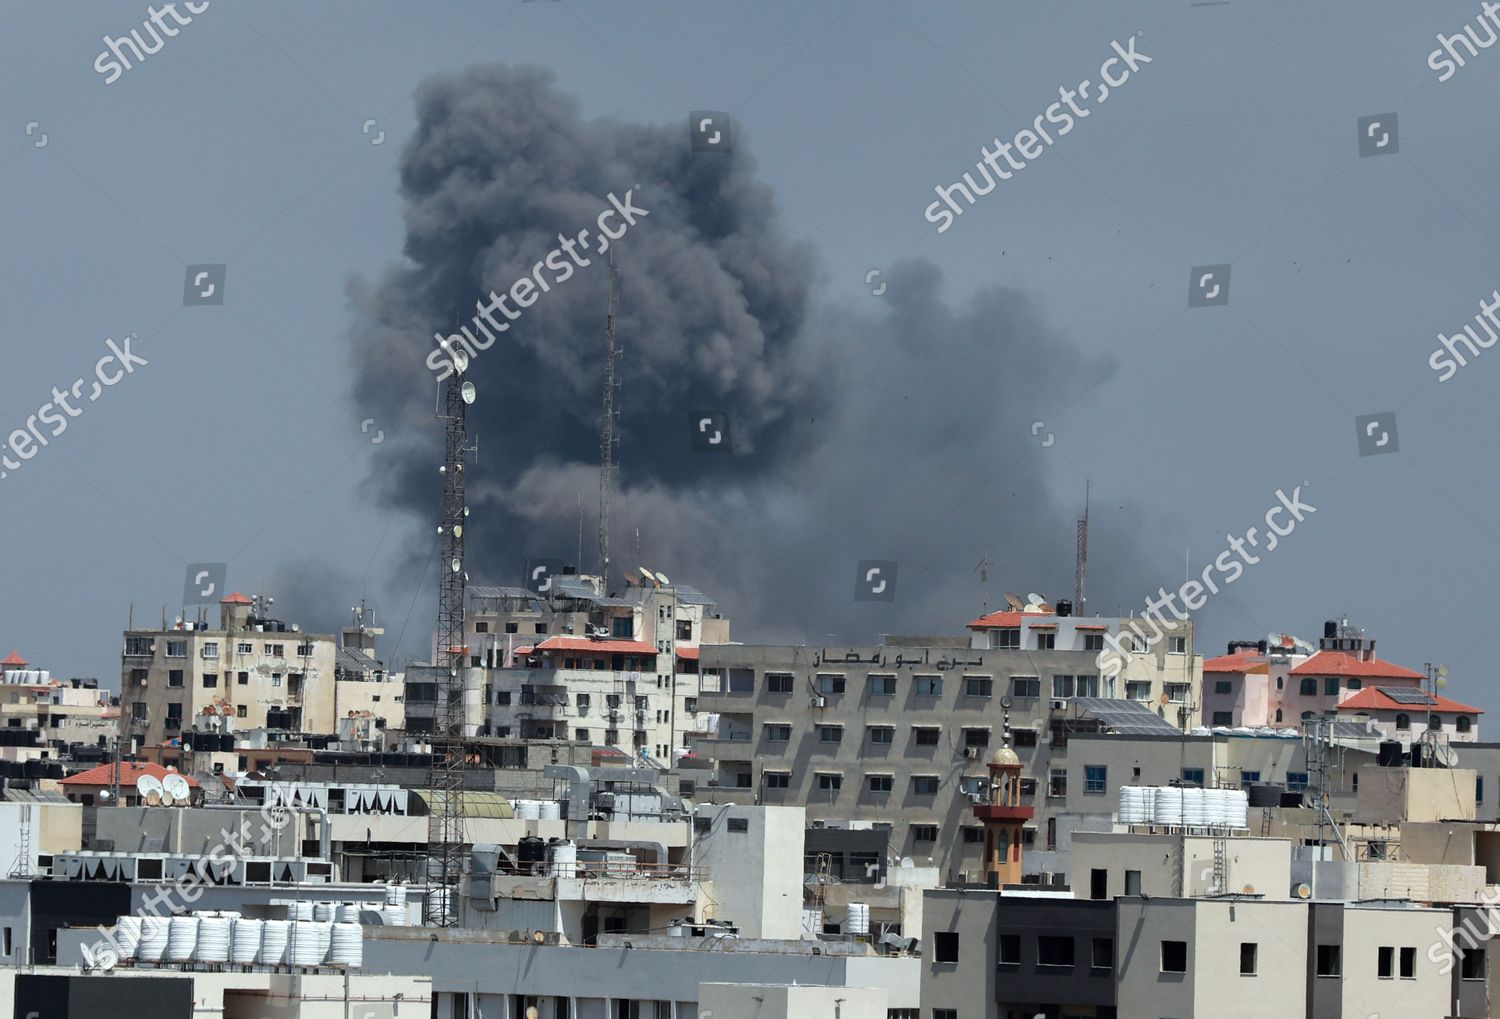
x=898 y=432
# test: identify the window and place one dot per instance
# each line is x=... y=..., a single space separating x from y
x=945 y=946
x=1296 y=781
x=1104 y=953
x=275 y=679
x=1010 y=950
x=210 y=680
x=502 y=698
x=924 y=785
x=1462 y=724
x=1177 y=693
x=1478 y=788
x=481 y=627
x=1248 y=777
x=1054 y=950
x=973 y=834
x=139 y=646
x=1025 y=686
x=512 y=627
x=778 y=732
x=1023 y=738
x=1006 y=637
x=584 y=701
x=1057 y=783
x=1354 y=684
x=1408 y=963
x=883 y=734
x=830 y=781
x=928 y=686
x=138 y=676
x=1176 y=645
x=1028 y=787
x=880 y=783
x=1046 y=640
x=1403 y=722
x=138 y=711
x=1223 y=686
x=1308 y=688
x=830 y=734
x=778 y=682
x=881 y=686
x=244 y=647
x=778 y=779
x=1223 y=718
x=209 y=649
x=304 y=650
x=1087 y=686
x=1248 y=950
x=1331 y=686
x=978 y=686
x=1093 y=642
x=1385 y=962
x=242 y=678
x=1194 y=775
x=924 y=833
x=540 y=628
x=1098 y=883
x=174 y=677
x=177 y=648
x=1138 y=689
x=1132 y=882
x=240 y=711
x=977 y=737
x=1472 y=965
x=1174 y=956
x=581 y=735
x=830 y=683
x=1278 y=715
x=276 y=650
x=925 y=735
x=1062 y=686
x=738 y=825
x=945 y=1013
x=685 y=629
x=1330 y=960
x=1095 y=778
x=174 y=716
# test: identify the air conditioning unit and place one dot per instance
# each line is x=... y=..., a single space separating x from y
x=1059 y=704
x=971 y=752
x=820 y=701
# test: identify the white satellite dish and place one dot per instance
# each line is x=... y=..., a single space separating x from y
x=662 y=579
x=468 y=392
x=456 y=354
x=177 y=787
x=648 y=574
x=149 y=788
x=167 y=799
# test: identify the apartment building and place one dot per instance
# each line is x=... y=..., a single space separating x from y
x=897 y=734
x=251 y=672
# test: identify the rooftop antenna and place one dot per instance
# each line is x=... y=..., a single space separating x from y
x=1081 y=570
x=984 y=578
x=607 y=423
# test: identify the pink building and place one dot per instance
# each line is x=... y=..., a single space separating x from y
x=1283 y=682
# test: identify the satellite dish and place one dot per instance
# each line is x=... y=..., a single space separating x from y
x=1165 y=700
x=1442 y=682
x=456 y=354
x=1442 y=670
x=177 y=787
x=1302 y=891
x=1014 y=601
x=647 y=574
x=662 y=579
x=906 y=863
x=457 y=565
x=1249 y=890
x=166 y=798
x=467 y=392
x=149 y=788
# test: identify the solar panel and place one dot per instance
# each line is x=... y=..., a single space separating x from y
x=1406 y=695
x=1124 y=716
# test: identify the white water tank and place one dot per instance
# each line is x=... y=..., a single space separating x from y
x=1168 y=806
x=323 y=911
x=395 y=895
x=275 y=935
x=306 y=947
x=128 y=936
x=549 y=810
x=564 y=860
x=348 y=947
x=528 y=810
x=348 y=912
x=213 y=937
x=1236 y=808
x=182 y=938
x=1133 y=808
x=244 y=940
x=858 y=920
x=1194 y=808
x=155 y=931
x=393 y=916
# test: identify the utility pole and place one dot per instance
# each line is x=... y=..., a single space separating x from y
x=1081 y=570
x=607 y=425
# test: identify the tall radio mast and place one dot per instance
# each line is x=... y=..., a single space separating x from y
x=607 y=425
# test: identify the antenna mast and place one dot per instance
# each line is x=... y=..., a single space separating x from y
x=607 y=425
x=1081 y=571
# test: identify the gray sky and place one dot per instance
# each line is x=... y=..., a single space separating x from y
x=241 y=142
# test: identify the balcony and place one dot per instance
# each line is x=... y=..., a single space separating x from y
x=733 y=747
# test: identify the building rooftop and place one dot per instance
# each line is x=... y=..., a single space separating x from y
x=130 y=773
x=1384 y=698
x=1344 y=663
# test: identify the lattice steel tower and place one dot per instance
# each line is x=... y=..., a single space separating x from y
x=445 y=823
x=607 y=425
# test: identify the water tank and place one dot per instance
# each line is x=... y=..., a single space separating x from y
x=528 y=810
x=244 y=940
x=348 y=912
x=128 y=936
x=323 y=911
x=348 y=946
x=1064 y=607
x=306 y=946
x=395 y=895
x=1389 y=755
x=564 y=859
x=529 y=852
x=1236 y=808
x=1168 y=806
x=1331 y=628
x=858 y=920
x=549 y=810
x=275 y=935
x=213 y=938
x=393 y=916
x=155 y=931
x=1133 y=808
x=182 y=938
x=1265 y=796
x=301 y=910
x=1194 y=808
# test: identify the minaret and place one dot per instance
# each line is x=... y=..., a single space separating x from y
x=1003 y=815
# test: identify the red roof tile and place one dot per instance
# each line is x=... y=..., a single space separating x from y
x=629 y=647
x=1240 y=661
x=236 y=599
x=14 y=659
x=130 y=772
x=1342 y=663
x=1006 y=619
x=687 y=652
x=1372 y=698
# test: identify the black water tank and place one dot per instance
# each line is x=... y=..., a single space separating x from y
x=1331 y=628
x=531 y=850
x=1266 y=795
x=1389 y=755
x=1064 y=608
x=36 y=768
x=54 y=769
x=1291 y=799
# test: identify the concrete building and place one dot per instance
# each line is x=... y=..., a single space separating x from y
x=62 y=712
x=1405 y=714
x=251 y=672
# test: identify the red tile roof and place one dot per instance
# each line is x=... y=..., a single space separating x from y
x=236 y=599
x=629 y=647
x=687 y=652
x=1006 y=619
x=1240 y=661
x=130 y=772
x=1342 y=663
x=1372 y=698
x=15 y=659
